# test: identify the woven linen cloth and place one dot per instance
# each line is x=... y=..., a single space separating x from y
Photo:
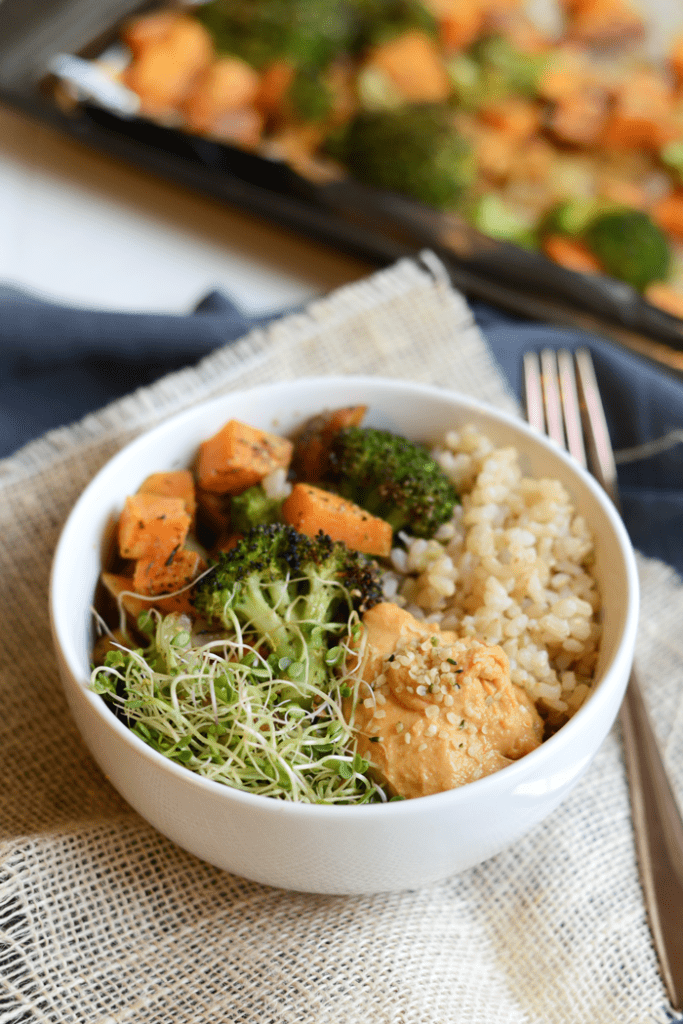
x=104 y=920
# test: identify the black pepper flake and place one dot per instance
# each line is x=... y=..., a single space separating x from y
x=169 y=560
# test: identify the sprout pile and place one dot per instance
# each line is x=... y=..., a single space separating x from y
x=250 y=694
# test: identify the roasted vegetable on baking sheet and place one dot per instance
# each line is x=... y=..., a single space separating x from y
x=465 y=106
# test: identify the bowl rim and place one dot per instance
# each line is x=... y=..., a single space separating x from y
x=506 y=779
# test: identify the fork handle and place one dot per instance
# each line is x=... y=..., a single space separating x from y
x=658 y=838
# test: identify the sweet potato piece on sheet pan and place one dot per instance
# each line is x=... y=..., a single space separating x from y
x=227 y=85
x=571 y=253
x=668 y=214
x=414 y=65
x=166 y=68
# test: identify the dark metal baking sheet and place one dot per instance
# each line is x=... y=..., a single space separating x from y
x=362 y=221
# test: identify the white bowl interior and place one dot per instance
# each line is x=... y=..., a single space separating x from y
x=422 y=413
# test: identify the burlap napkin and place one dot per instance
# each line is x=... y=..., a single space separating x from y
x=104 y=920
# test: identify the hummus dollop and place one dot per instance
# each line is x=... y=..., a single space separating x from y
x=435 y=711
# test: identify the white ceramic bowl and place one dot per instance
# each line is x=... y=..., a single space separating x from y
x=320 y=849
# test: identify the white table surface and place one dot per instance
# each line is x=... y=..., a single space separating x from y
x=85 y=229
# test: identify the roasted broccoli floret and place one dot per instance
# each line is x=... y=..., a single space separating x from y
x=672 y=156
x=572 y=216
x=629 y=246
x=504 y=69
x=414 y=149
x=381 y=20
x=495 y=218
x=392 y=478
x=307 y=33
x=627 y=243
x=310 y=96
x=292 y=595
x=253 y=507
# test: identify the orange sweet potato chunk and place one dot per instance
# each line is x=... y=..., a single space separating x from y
x=177 y=483
x=152 y=525
x=310 y=509
x=228 y=84
x=571 y=253
x=459 y=23
x=139 y=33
x=275 y=81
x=312 y=445
x=668 y=214
x=665 y=297
x=239 y=456
x=152 y=576
x=121 y=588
x=166 y=67
x=676 y=61
x=414 y=65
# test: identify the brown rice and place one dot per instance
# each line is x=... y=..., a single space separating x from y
x=513 y=567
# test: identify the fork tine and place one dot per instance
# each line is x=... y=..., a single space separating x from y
x=533 y=392
x=570 y=406
x=551 y=397
x=601 y=455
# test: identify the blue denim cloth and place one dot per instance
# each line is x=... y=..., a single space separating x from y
x=58 y=363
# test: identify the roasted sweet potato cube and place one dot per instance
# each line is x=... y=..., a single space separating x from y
x=165 y=69
x=226 y=85
x=239 y=456
x=413 y=64
x=139 y=33
x=668 y=214
x=152 y=525
x=275 y=81
x=571 y=253
x=177 y=483
x=121 y=589
x=661 y=294
x=644 y=114
x=312 y=444
x=310 y=509
x=604 y=22
x=676 y=61
x=518 y=118
x=459 y=23
x=173 y=573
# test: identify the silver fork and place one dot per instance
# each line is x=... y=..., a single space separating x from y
x=563 y=401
